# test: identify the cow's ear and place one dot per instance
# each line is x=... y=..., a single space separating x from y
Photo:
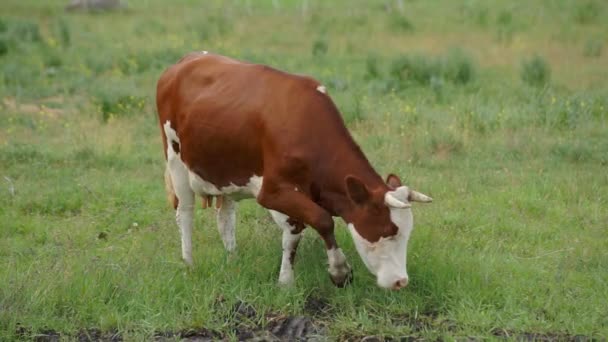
x=393 y=181
x=357 y=191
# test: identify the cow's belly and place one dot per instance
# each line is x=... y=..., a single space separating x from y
x=203 y=187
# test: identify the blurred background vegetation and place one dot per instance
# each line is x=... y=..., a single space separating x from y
x=498 y=109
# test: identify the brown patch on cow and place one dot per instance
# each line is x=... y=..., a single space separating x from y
x=298 y=226
x=175 y=146
x=393 y=181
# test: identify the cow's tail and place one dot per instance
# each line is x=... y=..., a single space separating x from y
x=169 y=188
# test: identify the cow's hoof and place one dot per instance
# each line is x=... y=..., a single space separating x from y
x=343 y=281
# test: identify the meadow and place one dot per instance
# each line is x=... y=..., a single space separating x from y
x=496 y=109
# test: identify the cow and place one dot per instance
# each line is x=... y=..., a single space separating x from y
x=233 y=130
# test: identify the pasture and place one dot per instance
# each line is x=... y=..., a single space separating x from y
x=498 y=110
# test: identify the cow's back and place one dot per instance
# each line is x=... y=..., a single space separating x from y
x=233 y=119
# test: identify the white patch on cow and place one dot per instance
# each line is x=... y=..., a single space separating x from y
x=290 y=244
x=203 y=187
x=205 y=52
x=387 y=257
x=226 y=221
x=322 y=89
x=179 y=178
x=338 y=266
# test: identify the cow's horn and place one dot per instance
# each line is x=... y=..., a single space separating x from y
x=392 y=202
x=415 y=196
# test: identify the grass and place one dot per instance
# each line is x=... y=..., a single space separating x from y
x=514 y=244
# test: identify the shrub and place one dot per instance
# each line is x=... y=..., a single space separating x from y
x=63 y=32
x=593 y=48
x=587 y=12
x=504 y=22
x=319 y=47
x=399 y=22
x=371 y=68
x=25 y=31
x=458 y=67
x=455 y=67
x=414 y=69
x=3 y=47
x=117 y=100
x=535 y=71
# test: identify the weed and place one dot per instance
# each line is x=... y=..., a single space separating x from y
x=320 y=47
x=535 y=71
x=399 y=22
x=586 y=12
x=372 y=71
x=63 y=32
x=593 y=48
x=3 y=46
x=118 y=101
x=417 y=69
x=505 y=25
x=26 y=31
x=458 y=66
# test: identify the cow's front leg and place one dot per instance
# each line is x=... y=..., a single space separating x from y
x=340 y=272
x=300 y=208
x=292 y=233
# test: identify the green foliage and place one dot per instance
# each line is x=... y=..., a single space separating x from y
x=24 y=31
x=535 y=71
x=423 y=70
x=400 y=23
x=320 y=47
x=505 y=26
x=593 y=48
x=3 y=46
x=117 y=100
x=586 y=12
x=63 y=32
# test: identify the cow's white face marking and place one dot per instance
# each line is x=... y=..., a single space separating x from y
x=322 y=89
x=386 y=258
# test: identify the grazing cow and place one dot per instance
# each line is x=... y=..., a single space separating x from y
x=234 y=130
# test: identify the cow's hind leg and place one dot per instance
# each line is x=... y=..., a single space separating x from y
x=292 y=232
x=178 y=183
x=226 y=221
x=184 y=212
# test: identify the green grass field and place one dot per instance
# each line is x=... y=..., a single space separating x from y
x=496 y=109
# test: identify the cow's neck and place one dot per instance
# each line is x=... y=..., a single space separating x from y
x=350 y=161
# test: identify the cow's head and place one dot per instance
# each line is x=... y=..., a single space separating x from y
x=381 y=223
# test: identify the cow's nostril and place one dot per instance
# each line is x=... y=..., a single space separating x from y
x=401 y=283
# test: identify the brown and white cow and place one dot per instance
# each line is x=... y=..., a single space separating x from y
x=237 y=130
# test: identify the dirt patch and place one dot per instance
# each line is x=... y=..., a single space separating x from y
x=317 y=306
x=529 y=336
x=199 y=335
x=85 y=335
x=247 y=326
